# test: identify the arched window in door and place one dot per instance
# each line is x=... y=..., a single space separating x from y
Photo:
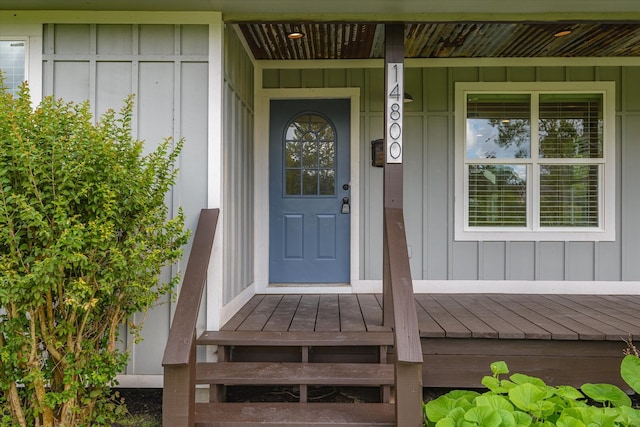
x=310 y=156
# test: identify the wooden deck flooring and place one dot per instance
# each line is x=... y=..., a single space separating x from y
x=564 y=339
x=531 y=317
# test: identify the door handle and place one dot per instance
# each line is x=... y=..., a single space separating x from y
x=346 y=207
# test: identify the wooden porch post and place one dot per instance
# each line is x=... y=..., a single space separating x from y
x=178 y=395
x=393 y=170
x=398 y=288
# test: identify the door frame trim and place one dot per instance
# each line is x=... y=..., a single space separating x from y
x=261 y=196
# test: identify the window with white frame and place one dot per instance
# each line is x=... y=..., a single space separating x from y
x=13 y=61
x=535 y=161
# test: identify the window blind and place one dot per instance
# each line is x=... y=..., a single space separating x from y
x=497 y=195
x=569 y=195
x=571 y=126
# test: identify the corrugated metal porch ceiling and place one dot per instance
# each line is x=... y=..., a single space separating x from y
x=268 y=41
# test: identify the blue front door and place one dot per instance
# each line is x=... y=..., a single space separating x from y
x=309 y=191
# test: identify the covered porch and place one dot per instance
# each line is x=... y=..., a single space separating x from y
x=397 y=341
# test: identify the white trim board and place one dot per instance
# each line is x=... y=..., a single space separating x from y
x=107 y=17
x=239 y=301
x=309 y=289
x=215 y=171
x=139 y=381
x=530 y=287
x=266 y=64
x=261 y=155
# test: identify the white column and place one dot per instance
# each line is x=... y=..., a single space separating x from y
x=215 y=182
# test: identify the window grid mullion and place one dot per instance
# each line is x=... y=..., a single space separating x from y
x=533 y=211
x=601 y=196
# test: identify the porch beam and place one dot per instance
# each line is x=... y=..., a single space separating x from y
x=234 y=11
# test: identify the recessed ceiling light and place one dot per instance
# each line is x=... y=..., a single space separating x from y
x=294 y=35
x=562 y=33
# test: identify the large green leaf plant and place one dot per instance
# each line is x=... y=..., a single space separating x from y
x=525 y=401
x=84 y=234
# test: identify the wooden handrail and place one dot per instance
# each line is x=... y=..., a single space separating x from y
x=182 y=333
x=405 y=317
x=400 y=310
x=179 y=362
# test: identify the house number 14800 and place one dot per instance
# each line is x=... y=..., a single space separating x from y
x=395 y=98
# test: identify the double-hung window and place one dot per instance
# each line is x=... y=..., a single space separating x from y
x=13 y=62
x=535 y=161
x=21 y=57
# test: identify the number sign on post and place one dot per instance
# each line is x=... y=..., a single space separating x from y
x=395 y=100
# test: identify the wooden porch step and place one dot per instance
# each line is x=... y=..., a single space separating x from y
x=265 y=373
x=294 y=414
x=295 y=339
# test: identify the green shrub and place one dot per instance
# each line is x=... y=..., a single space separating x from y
x=84 y=235
x=523 y=401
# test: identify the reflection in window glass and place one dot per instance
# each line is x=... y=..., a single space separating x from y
x=310 y=154
x=12 y=63
x=310 y=182
x=292 y=154
x=310 y=157
x=292 y=181
x=571 y=126
x=327 y=155
x=497 y=195
x=498 y=126
x=326 y=182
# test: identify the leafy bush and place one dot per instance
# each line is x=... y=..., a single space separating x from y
x=84 y=235
x=523 y=401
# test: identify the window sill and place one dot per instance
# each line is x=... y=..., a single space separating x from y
x=541 y=235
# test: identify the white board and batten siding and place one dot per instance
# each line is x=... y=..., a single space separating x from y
x=439 y=263
x=237 y=148
x=166 y=67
